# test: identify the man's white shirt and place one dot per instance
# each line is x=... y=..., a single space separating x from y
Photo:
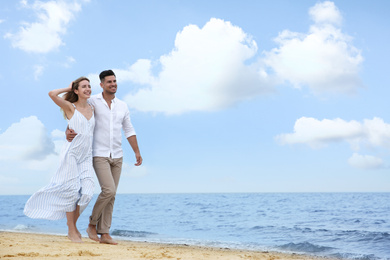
x=107 y=137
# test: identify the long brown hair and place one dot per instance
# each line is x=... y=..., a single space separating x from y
x=71 y=96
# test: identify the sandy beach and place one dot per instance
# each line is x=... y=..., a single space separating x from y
x=38 y=246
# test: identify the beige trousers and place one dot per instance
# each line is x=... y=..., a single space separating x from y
x=108 y=172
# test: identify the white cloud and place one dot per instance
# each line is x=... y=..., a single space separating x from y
x=316 y=133
x=377 y=132
x=58 y=134
x=38 y=71
x=69 y=61
x=18 y=144
x=210 y=69
x=365 y=161
x=139 y=73
x=28 y=157
x=372 y=133
x=44 y=35
x=326 y=12
x=324 y=59
x=205 y=71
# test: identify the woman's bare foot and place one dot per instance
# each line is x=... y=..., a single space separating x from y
x=92 y=234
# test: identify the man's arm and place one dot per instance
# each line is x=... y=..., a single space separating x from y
x=134 y=145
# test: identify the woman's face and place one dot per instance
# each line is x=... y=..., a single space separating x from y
x=84 y=89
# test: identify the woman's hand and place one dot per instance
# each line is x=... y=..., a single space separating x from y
x=70 y=87
x=61 y=102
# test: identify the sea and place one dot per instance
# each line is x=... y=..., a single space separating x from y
x=339 y=225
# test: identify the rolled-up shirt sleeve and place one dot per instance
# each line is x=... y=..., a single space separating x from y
x=127 y=126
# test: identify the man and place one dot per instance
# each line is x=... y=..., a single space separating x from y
x=111 y=115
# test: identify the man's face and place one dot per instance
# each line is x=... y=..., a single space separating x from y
x=109 y=84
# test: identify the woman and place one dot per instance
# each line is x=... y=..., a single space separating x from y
x=71 y=188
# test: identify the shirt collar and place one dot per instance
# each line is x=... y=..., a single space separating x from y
x=100 y=96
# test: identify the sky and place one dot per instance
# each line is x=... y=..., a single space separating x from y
x=225 y=96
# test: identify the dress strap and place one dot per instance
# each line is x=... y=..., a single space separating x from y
x=74 y=105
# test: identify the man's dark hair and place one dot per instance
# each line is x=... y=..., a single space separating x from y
x=106 y=73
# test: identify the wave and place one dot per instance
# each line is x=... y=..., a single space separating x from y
x=131 y=233
x=261 y=227
x=365 y=236
x=22 y=227
x=305 y=247
x=356 y=257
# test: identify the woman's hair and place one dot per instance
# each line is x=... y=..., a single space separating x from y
x=71 y=96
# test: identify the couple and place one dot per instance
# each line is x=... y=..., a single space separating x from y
x=94 y=135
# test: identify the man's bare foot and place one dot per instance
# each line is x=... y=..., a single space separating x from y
x=107 y=239
x=74 y=237
x=92 y=234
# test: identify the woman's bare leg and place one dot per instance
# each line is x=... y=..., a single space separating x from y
x=76 y=217
x=73 y=233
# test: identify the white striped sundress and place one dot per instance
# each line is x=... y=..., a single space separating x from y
x=73 y=182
